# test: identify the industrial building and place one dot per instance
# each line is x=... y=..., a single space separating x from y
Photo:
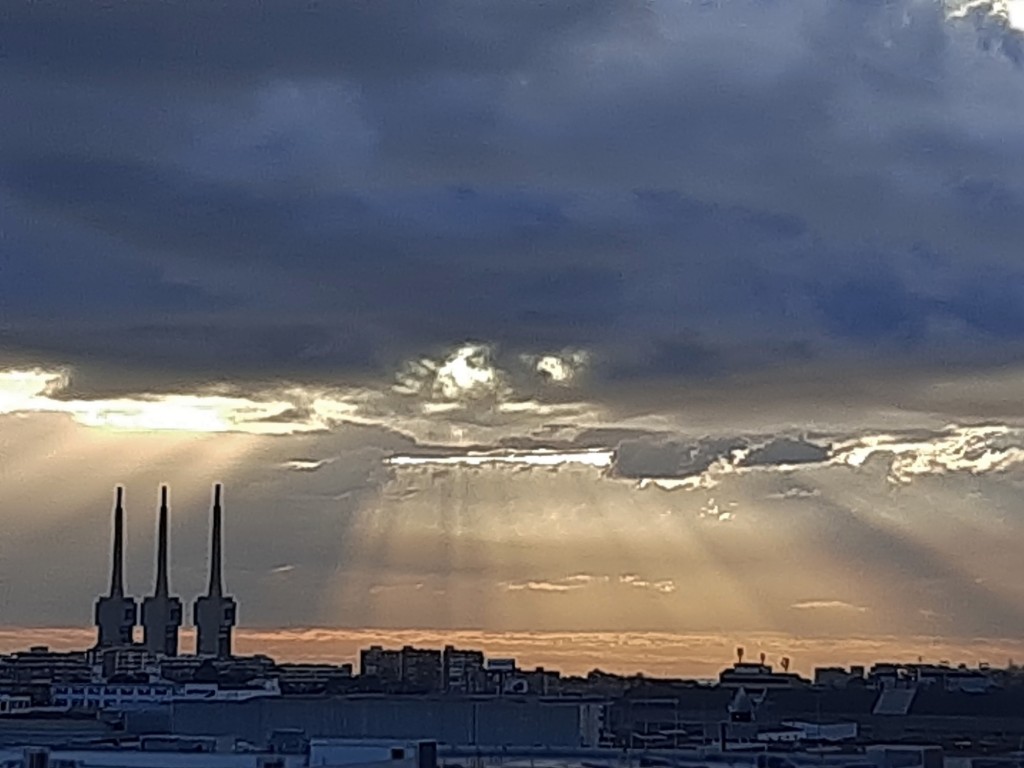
x=481 y=721
x=161 y=612
x=123 y=690
x=214 y=614
x=171 y=752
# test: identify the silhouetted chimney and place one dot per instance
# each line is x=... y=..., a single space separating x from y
x=117 y=561
x=214 y=614
x=162 y=586
x=216 y=564
x=115 y=615
x=161 y=613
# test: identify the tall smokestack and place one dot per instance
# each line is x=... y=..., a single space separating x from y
x=215 y=613
x=162 y=587
x=117 y=565
x=161 y=613
x=216 y=578
x=115 y=614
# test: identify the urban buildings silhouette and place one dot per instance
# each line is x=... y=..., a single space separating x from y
x=135 y=694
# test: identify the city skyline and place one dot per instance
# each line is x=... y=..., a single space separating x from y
x=666 y=321
x=653 y=654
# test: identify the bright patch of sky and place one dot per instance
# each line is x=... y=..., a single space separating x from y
x=598 y=458
x=1011 y=10
x=1015 y=13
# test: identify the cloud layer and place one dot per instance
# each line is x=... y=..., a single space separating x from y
x=595 y=315
x=305 y=192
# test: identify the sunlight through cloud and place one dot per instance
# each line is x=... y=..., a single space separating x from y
x=1010 y=11
x=976 y=450
x=828 y=605
x=537 y=458
x=462 y=398
x=24 y=391
x=563 y=368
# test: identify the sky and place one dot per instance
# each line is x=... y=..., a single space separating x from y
x=603 y=332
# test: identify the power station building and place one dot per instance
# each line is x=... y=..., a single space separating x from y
x=214 y=614
x=116 y=614
x=161 y=613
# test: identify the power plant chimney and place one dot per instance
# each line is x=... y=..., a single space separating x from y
x=216 y=563
x=161 y=613
x=115 y=614
x=215 y=613
x=117 y=560
x=162 y=587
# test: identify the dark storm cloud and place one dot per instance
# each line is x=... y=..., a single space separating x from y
x=786 y=451
x=664 y=457
x=303 y=190
x=232 y=39
x=670 y=458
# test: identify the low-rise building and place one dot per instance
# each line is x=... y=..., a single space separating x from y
x=40 y=664
x=126 y=696
x=959 y=678
x=757 y=678
x=824 y=732
x=381 y=663
x=421 y=669
x=311 y=678
x=130 y=660
x=839 y=677
x=12 y=705
x=409 y=669
x=161 y=752
x=463 y=671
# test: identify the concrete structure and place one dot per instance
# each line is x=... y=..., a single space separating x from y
x=215 y=614
x=184 y=669
x=41 y=665
x=904 y=756
x=503 y=677
x=808 y=732
x=463 y=671
x=116 y=614
x=951 y=718
x=44 y=730
x=14 y=704
x=492 y=721
x=134 y=661
x=839 y=677
x=96 y=696
x=169 y=752
x=421 y=669
x=126 y=696
x=311 y=678
x=161 y=612
x=943 y=675
x=414 y=670
x=381 y=663
x=757 y=678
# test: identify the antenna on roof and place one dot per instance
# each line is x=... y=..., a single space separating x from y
x=739 y=655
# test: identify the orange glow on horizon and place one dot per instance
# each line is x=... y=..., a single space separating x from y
x=700 y=655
